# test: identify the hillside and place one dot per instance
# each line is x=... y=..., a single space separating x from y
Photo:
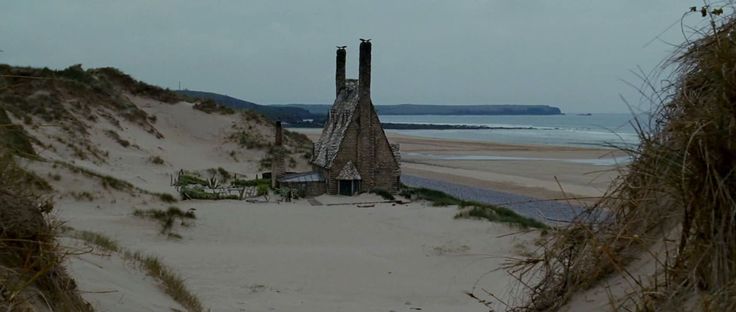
x=286 y=114
x=102 y=146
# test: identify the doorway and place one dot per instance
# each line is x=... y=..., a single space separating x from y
x=348 y=187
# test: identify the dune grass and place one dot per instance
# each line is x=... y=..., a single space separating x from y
x=13 y=138
x=674 y=204
x=480 y=211
x=166 y=218
x=471 y=209
x=32 y=277
x=171 y=283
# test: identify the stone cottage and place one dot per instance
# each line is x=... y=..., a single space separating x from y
x=353 y=154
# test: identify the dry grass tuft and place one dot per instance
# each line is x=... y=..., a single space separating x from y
x=171 y=282
x=682 y=182
x=32 y=277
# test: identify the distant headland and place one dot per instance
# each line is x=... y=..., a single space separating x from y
x=426 y=109
x=314 y=115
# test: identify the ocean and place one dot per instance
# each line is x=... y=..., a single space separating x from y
x=596 y=130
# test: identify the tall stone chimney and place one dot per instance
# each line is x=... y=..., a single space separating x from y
x=340 y=70
x=279 y=135
x=277 y=162
x=364 y=73
x=366 y=134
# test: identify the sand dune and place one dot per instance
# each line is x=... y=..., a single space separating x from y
x=323 y=255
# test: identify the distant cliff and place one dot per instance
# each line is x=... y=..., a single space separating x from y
x=423 y=109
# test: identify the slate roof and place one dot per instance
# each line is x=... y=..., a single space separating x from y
x=349 y=172
x=311 y=176
x=341 y=115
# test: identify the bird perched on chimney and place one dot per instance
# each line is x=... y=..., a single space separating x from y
x=342 y=47
x=365 y=40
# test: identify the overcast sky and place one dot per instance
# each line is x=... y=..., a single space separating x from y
x=571 y=54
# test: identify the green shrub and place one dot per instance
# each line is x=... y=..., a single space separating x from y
x=209 y=106
x=262 y=189
x=224 y=173
x=199 y=193
x=383 y=193
x=254 y=182
x=186 y=179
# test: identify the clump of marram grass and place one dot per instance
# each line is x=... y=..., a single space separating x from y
x=32 y=275
x=100 y=241
x=167 y=198
x=172 y=284
x=167 y=218
x=471 y=209
x=493 y=213
x=678 y=192
x=156 y=160
x=14 y=138
x=115 y=136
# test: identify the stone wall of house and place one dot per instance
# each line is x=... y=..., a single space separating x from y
x=347 y=152
x=386 y=169
x=367 y=146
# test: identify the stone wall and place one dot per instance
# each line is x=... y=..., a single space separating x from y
x=386 y=168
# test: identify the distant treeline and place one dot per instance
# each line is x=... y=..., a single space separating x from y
x=314 y=115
